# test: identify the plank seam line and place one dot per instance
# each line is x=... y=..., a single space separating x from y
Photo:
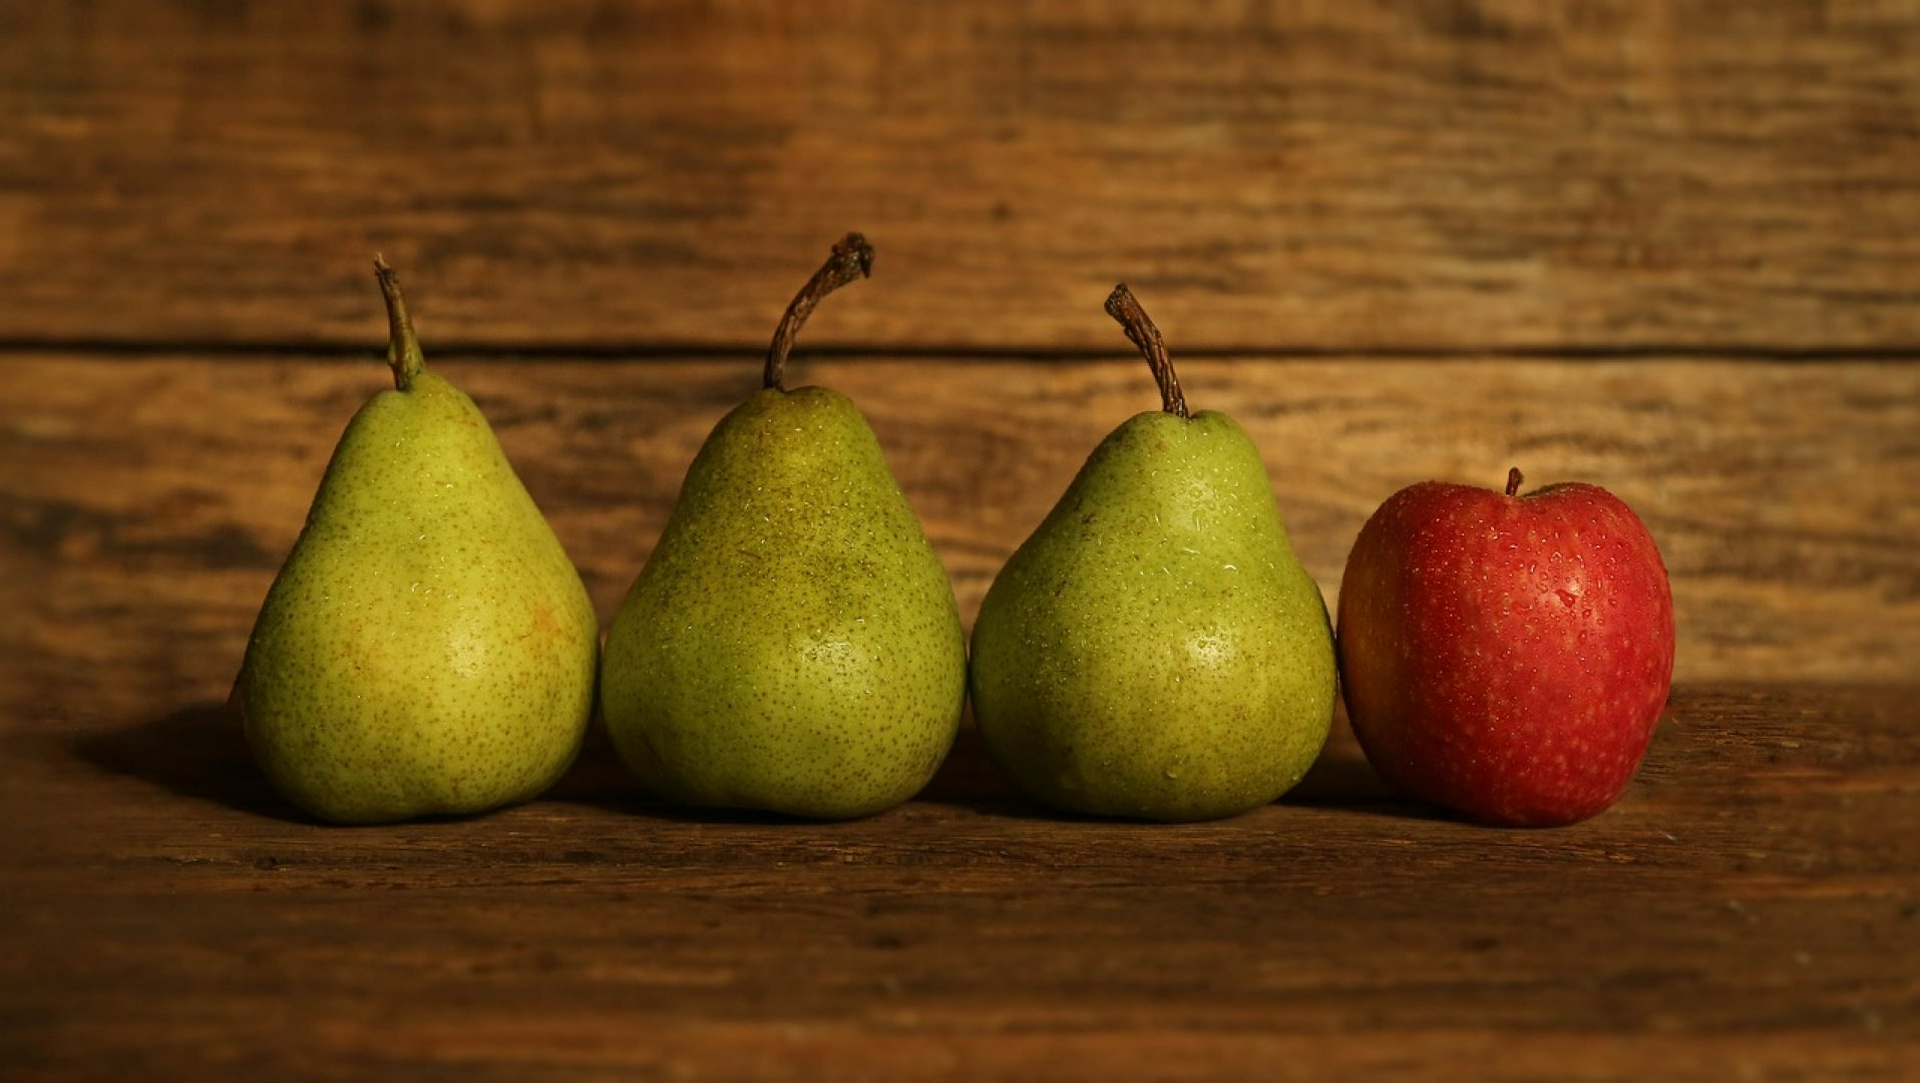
x=671 y=351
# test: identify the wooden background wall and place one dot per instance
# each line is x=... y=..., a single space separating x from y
x=1669 y=247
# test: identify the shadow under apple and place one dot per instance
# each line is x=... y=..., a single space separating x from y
x=1343 y=779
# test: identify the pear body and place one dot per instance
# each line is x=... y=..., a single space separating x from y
x=792 y=644
x=1155 y=650
x=428 y=648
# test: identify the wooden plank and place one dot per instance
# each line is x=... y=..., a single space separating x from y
x=1368 y=176
x=1750 y=910
x=147 y=504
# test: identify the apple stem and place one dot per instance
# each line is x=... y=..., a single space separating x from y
x=852 y=258
x=1513 y=480
x=1133 y=319
x=403 y=346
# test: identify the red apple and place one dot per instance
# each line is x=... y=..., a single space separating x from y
x=1506 y=656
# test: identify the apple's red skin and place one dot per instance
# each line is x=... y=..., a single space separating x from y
x=1506 y=656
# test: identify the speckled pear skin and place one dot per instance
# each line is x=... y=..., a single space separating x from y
x=792 y=644
x=428 y=647
x=1155 y=650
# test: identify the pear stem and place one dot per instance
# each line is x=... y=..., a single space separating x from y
x=1514 y=478
x=852 y=258
x=1124 y=307
x=403 y=346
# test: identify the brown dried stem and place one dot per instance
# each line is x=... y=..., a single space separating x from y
x=852 y=258
x=403 y=346
x=1124 y=307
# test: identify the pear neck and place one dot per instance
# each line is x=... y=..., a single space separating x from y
x=1140 y=329
x=850 y=259
x=403 y=346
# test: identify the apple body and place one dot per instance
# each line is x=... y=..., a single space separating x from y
x=1506 y=656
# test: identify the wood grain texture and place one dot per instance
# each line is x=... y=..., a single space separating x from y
x=147 y=504
x=1442 y=175
x=1589 y=240
x=1751 y=909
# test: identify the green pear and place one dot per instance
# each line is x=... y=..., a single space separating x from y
x=1155 y=650
x=792 y=644
x=428 y=648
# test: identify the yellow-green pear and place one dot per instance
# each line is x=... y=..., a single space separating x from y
x=1155 y=650
x=792 y=644
x=427 y=648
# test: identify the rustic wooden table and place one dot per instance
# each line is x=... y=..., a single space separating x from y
x=1665 y=247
